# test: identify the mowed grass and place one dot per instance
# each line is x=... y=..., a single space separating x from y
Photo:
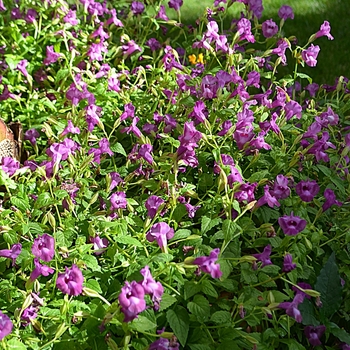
x=334 y=56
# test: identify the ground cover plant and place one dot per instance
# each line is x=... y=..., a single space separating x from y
x=174 y=190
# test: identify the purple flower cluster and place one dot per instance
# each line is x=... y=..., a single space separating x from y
x=132 y=296
x=207 y=264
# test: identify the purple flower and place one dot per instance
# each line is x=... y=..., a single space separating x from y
x=132 y=300
x=51 y=55
x=310 y=55
x=40 y=270
x=244 y=29
x=133 y=128
x=199 y=113
x=102 y=149
x=100 y=245
x=292 y=307
x=330 y=198
x=207 y=264
x=71 y=281
x=264 y=257
x=175 y=4
x=313 y=334
x=292 y=108
x=161 y=232
x=320 y=146
x=21 y=66
x=285 y=12
x=269 y=28
x=130 y=48
x=137 y=7
x=288 y=265
x=328 y=118
x=118 y=201
x=280 y=187
x=165 y=344
x=6 y=325
x=28 y=314
x=12 y=253
x=302 y=285
x=312 y=88
x=6 y=94
x=268 y=199
x=115 y=180
x=307 y=190
x=191 y=210
x=9 y=165
x=31 y=135
x=145 y=153
x=95 y=51
x=70 y=128
x=209 y=86
x=2 y=8
x=30 y=16
x=114 y=83
x=280 y=50
x=99 y=32
x=71 y=18
x=153 y=44
x=44 y=247
x=246 y=192
x=226 y=126
x=152 y=204
x=162 y=14
x=151 y=287
x=325 y=30
x=292 y=225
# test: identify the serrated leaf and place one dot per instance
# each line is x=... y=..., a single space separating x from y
x=208 y=223
x=128 y=240
x=221 y=317
x=43 y=200
x=143 y=324
x=307 y=311
x=341 y=334
x=208 y=289
x=118 y=148
x=229 y=229
x=179 y=322
x=14 y=344
x=20 y=203
x=200 y=308
x=191 y=288
x=329 y=285
x=167 y=300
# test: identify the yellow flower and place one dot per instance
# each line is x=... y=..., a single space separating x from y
x=192 y=59
x=200 y=58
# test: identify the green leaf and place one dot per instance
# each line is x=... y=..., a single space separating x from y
x=221 y=317
x=292 y=344
x=191 y=288
x=308 y=313
x=208 y=289
x=341 y=334
x=94 y=285
x=329 y=285
x=14 y=344
x=229 y=228
x=179 y=322
x=128 y=240
x=208 y=223
x=43 y=200
x=325 y=170
x=167 y=300
x=200 y=308
x=143 y=324
x=20 y=203
x=118 y=148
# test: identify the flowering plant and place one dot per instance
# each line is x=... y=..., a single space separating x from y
x=176 y=191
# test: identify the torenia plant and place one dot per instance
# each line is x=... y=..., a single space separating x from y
x=174 y=190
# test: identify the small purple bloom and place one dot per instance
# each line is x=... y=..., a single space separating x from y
x=244 y=29
x=207 y=264
x=264 y=257
x=70 y=128
x=28 y=314
x=246 y=192
x=71 y=281
x=325 y=30
x=280 y=187
x=288 y=265
x=145 y=152
x=292 y=225
x=175 y=4
x=268 y=199
x=165 y=344
x=44 y=247
x=307 y=190
x=12 y=253
x=292 y=307
x=115 y=180
x=161 y=232
x=71 y=18
x=199 y=113
x=162 y=14
x=31 y=135
x=21 y=66
x=280 y=50
x=133 y=128
x=152 y=204
x=153 y=44
x=313 y=334
x=129 y=48
x=330 y=198
x=51 y=55
x=9 y=165
x=226 y=126
x=151 y=287
x=100 y=244
x=6 y=325
x=269 y=28
x=292 y=108
x=137 y=7
x=132 y=300
x=40 y=270
x=312 y=88
x=310 y=55
x=285 y=12
x=118 y=201
x=191 y=210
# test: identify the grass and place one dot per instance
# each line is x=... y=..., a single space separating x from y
x=333 y=59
